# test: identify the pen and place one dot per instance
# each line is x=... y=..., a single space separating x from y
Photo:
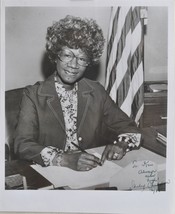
x=82 y=150
x=78 y=147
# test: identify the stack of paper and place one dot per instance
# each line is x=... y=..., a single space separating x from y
x=161 y=138
x=158 y=87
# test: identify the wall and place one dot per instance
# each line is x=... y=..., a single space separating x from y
x=156 y=43
x=25 y=41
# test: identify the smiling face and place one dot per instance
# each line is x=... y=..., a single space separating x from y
x=71 y=65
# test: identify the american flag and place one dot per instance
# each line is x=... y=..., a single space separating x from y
x=124 y=74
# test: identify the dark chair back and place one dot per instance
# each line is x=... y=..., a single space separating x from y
x=12 y=107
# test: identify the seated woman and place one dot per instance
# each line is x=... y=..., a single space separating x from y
x=67 y=109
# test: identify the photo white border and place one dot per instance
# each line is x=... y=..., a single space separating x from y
x=92 y=201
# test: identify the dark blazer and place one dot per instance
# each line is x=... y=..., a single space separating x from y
x=41 y=122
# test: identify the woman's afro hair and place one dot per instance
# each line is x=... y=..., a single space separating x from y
x=75 y=33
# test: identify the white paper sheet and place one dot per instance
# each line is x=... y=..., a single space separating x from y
x=62 y=176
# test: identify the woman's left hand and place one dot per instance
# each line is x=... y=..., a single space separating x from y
x=114 y=151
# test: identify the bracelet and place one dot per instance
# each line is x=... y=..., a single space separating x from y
x=128 y=140
x=49 y=155
x=59 y=157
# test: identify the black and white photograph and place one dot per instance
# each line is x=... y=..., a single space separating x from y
x=86 y=108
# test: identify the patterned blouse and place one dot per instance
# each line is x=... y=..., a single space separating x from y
x=69 y=101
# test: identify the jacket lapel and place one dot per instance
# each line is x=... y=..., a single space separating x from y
x=84 y=92
x=48 y=90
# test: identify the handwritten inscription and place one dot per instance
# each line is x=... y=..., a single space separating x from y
x=144 y=164
x=146 y=175
x=147 y=164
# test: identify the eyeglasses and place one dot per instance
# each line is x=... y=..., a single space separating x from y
x=67 y=56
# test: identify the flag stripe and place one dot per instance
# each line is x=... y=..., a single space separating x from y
x=137 y=102
x=139 y=113
x=135 y=84
x=122 y=83
x=122 y=65
x=124 y=86
x=112 y=57
x=135 y=17
x=136 y=37
x=116 y=33
x=133 y=63
x=124 y=71
x=115 y=26
x=121 y=44
x=136 y=59
x=113 y=33
x=113 y=14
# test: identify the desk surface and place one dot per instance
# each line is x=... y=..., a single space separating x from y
x=33 y=178
x=37 y=181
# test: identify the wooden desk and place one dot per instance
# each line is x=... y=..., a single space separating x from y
x=33 y=178
x=155 y=105
x=36 y=181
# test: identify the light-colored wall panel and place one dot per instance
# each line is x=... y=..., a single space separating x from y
x=156 y=44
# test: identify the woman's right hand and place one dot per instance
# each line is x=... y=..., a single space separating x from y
x=79 y=161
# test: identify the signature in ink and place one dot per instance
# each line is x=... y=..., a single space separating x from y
x=147 y=172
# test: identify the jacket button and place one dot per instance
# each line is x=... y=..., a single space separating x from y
x=80 y=139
